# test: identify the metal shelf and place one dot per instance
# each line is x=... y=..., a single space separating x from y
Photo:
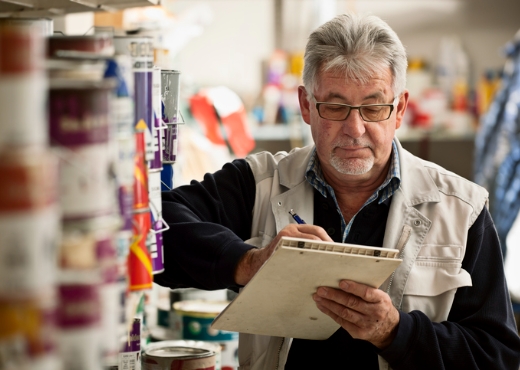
x=49 y=8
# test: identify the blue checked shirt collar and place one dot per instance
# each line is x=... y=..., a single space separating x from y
x=383 y=193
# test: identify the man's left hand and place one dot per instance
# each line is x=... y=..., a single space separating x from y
x=366 y=313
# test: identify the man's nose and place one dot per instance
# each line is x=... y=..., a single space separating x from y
x=354 y=125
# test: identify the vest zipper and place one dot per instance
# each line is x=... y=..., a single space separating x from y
x=279 y=351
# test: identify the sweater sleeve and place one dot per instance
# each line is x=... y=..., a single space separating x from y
x=208 y=223
x=480 y=332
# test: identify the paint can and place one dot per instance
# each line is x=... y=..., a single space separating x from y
x=190 y=344
x=29 y=221
x=155 y=163
x=79 y=318
x=197 y=316
x=28 y=332
x=44 y=26
x=171 y=143
x=167 y=177
x=141 y=197
x=124 y=173
x=23 y=83
x=140 y=50
x=79 y=46
x=139 y=259
x=120 y=68
x=130 y=353
x=87 y=186
x=79 y=111
x=79 y=127
x=166 y=357
x=170 y=86
x=156 y=212
x=143 y=108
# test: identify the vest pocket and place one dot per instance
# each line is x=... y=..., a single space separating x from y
x=433 y=281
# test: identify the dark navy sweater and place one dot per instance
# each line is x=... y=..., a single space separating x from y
x=210 y=220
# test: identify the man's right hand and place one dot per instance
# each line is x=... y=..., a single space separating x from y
x=253 y=259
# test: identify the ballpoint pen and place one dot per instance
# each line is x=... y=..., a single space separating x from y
x=296 y=217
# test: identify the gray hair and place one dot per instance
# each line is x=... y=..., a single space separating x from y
x=358 y=46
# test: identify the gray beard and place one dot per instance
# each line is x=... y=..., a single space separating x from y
x=351 y=166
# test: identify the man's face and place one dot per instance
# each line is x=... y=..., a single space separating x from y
x=353 y=147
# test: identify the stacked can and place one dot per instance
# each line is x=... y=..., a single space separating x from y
x=154 y=174
x=170 y=90
x=140 y=50
x=29 y=212
x=82 y=127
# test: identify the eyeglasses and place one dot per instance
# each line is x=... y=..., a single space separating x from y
x=368 y=112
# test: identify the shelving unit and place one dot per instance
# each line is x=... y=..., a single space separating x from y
x=49 y=8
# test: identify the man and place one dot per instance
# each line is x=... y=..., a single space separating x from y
x=446 y=306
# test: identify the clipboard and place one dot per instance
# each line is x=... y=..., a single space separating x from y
x=278 y=299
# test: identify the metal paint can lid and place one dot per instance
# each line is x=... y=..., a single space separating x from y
x=179 y=352
x=200 y=308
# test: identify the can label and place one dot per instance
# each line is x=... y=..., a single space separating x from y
x=123 y=113
x=122 y=104
x=170 y=89
x=79 y=306
x=79 y=116
x=124 y=166
x=156 y=162
x=154 y=189
x=87 y=185
x=28 y=330
x=158 y=255
x=28 y=251
x=144 y=109
x=139 y=48
x=20 y=125
x=141 y=198
x=22 y=47
x=139 y=259
x=29 y=179
x=167 y=175
x=100 y=43
x=126 y=201
x=170 y=143
x=129 y=356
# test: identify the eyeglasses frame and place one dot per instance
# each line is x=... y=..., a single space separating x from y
x=391 y=105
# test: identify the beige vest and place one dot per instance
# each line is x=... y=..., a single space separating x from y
x=428 y=221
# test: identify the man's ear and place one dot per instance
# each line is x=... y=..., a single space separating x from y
x=401 y=108
x=304 y=104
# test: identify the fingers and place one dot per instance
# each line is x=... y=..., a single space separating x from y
x=304 y=231
x=374 y=319
x=363 y=291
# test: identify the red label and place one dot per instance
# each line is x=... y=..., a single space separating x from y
x=22 y=49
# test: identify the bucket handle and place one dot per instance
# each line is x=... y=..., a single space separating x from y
x=166 y=226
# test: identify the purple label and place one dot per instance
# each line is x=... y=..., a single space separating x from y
x=143 y=98
x=79 y=305
x=126 y=202
x=79 y=116
x=158 y=257
x=133 y=342
x=156 y=162
x=170 y=144
x=105 y=248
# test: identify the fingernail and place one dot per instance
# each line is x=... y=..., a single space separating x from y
x=323 y=292
x=343 y=285
x=316 y=298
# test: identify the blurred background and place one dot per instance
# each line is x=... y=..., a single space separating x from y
x=226 y=73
